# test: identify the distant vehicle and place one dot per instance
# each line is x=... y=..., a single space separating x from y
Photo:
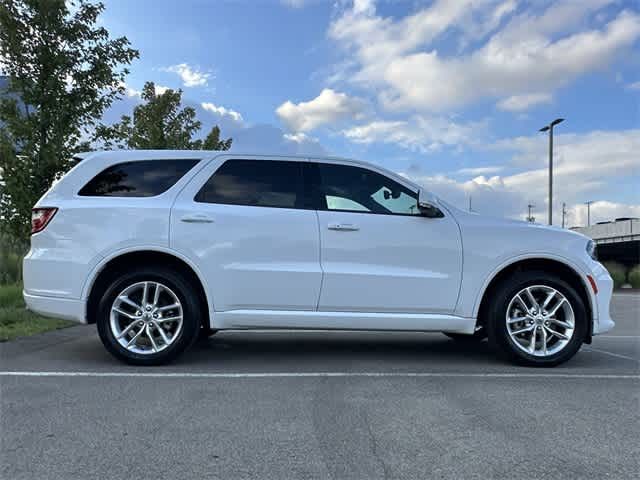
x=160 y=247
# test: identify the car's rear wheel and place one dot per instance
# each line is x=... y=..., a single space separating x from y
x=148 y=317
x=537 y=319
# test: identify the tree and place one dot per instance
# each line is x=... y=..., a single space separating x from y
x=160 y=123
x=64 y=71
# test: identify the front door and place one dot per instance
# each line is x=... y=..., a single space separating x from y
x=378 y=253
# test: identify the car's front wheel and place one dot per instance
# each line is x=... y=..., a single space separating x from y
x=537 y=319
x=148 y=317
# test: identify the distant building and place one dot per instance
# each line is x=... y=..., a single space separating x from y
x=617 y=240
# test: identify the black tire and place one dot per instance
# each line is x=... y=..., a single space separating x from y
x=191 y=310
x=475 y=338
x=499 y=337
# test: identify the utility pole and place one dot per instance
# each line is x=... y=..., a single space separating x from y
x=588 y=204
x=549 y=128
x=564 y=212
x=530 y=217
x=470 y=209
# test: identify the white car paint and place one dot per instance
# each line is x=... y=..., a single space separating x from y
x=286 y=268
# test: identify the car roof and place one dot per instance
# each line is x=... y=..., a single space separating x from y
x=190 y=154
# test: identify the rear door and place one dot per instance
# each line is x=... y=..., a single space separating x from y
x=249 y=226
x=379 y=253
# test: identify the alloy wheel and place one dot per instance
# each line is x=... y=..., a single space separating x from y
x=540 y=320
x=146 y=317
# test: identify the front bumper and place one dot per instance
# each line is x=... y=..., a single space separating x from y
x=603 y=322
x=65 y=308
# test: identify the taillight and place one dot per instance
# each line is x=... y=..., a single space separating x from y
x=40 y=218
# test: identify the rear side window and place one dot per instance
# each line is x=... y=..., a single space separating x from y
x=258 y=183
x=146 y=178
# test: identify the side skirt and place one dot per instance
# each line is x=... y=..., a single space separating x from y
x=286 y=319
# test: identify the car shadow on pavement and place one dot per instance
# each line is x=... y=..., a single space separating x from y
x=333 y=349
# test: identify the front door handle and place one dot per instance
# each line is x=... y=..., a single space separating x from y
x=345 y=227
x=196 y=218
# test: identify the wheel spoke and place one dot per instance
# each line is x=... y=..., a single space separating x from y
x=532 y=343
x=557 y=306
x=518 y=319
x=168 y=319
x=126 y=330
x=135 y=337
x=122 y=312
x=560 y=323
x=168 y=307
x=145 y=292
x=532 y=299
x=519 y=299
x=544 y=341
x=557 y=334
x=154 y=346
x=156 y=293
x=547 y=300
x=125 y=299
x=523 y=330
x=165 y=339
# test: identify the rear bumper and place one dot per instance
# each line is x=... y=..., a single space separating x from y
x=68 y=309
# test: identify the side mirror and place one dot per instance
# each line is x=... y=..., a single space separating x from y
x=428 y=204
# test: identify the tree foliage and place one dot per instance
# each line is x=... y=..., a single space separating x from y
x=160 y=123
x=64 y=70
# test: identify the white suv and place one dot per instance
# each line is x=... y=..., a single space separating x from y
x=160 y=247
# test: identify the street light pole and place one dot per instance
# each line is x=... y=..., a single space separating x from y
x=549 y=128
x=588 y=204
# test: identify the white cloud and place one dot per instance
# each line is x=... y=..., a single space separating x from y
x=477 y=171
x=298 y=137
x=328 y=107
x=160 y=89
x=634 y=85
x=130 y=91
x=528 y=52
x=191 y=76
x=600 y=211
x=585 y=167
x=420 y=133
x=519 y=103
x=222 y=111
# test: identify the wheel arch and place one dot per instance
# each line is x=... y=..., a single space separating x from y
x=563 y=269
x=105 y=271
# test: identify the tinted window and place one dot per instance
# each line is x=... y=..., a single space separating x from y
x=137 y=179
x=356 y=189
x=260 y=183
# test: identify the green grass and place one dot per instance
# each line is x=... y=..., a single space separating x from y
x=17 y=321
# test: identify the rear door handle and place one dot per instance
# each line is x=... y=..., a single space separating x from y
x=196 y=218
x=345 y=227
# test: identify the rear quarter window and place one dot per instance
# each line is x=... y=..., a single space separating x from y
x=146 y=178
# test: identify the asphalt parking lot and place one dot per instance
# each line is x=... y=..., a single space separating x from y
x=320 y=405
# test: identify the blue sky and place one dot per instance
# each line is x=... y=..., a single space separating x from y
x=450 y=93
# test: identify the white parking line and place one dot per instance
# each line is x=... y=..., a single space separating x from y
x=590 y=349
x=617 y=336
x=317 y=374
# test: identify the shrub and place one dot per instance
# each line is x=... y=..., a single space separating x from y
x=617 y=271
x=10 y=261
x=634 y=276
